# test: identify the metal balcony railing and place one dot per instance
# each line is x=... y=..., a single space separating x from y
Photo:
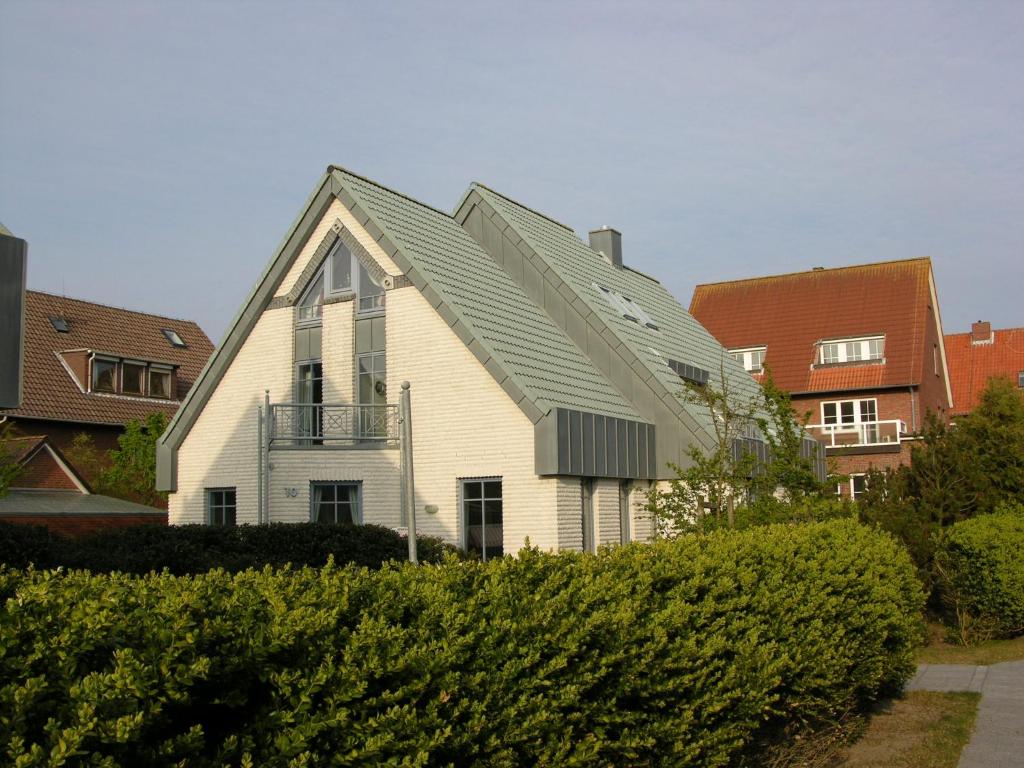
x=305 y=425
x=864 y=433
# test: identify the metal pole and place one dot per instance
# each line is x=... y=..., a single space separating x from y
x=259 y=466
x=405 y=416
x=268 y=429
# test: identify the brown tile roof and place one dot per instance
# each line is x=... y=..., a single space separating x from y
x=791 y=313
x=50 y=390
x=972 y=365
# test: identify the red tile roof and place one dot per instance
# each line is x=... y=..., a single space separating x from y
x=50 y=390
x=972 y=365
x=790 y=314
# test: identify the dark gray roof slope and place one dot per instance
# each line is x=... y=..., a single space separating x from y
x=18 y=502
x=516 y=334
x=679 y=336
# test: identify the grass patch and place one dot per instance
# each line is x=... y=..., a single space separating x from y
x=939 y=651
x=921 y=730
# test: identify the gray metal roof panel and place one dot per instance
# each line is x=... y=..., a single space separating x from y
x=544 y=363
x=679 y=336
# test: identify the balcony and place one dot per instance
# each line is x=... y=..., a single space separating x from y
x=881 y=435
x=303 y=425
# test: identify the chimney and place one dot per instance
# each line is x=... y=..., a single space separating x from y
x=608 y=242
x=981 y=332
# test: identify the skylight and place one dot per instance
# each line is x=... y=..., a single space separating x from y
x=628 y=308
x=60 y=324
x=173 y=337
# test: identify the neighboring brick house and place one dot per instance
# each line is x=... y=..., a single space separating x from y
x=49 y=492
x=978 y=356
x=858 y=348
x=544 y=378
x=91 y=368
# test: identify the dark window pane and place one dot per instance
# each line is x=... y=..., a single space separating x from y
x=474 y=512
x=492 y=489
x=492 y=512
x=341 y=268
x=103 y=375
x=132 y=379
x=472 y=490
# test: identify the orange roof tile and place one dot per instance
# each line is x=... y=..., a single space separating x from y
x=972 y=365
x=791 y=313
x=50 y=390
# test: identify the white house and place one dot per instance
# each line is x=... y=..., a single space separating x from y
x=544 y=377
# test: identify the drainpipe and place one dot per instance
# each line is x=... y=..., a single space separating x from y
x=259 y=466
x=268 y=428
x=409 y=500
x=913 y=411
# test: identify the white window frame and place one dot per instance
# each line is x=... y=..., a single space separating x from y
x=162 y=370
x=849 y=426
x=145 y=377
x=852 y=350
x=745 y=357
x=92 y=374
x=853 y=478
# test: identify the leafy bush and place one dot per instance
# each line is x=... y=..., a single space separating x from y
x=981 y=567
x=701 y=651
x=190 y=549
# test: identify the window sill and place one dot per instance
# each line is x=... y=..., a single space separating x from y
x=847 y=364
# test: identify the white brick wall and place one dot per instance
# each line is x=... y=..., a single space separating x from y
x=464 y=425
x=606 y=510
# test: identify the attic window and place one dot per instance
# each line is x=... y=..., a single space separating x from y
x=60 y=324
x=751 y=358
x=690 y=373
x=838 y=351
x=173 y=338
x=628 y=308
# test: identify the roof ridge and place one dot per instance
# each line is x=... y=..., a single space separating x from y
x=525 y=207
x=994 y=330
x=815 y=271
x=386 y=188
x=119 y=309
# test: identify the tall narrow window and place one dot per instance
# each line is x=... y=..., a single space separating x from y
x=371 y=295
x=341 y=268
x=625 y=518
x=373 y=393
x=311 y=304
x=335 y=503
x=220 y=506
x=309 y=394
x=132 y=378
x=858 y=485
x=482 y=513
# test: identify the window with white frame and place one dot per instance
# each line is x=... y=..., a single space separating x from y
x=335 y=503
x=858 y=485
x=866 y=349
x=220 y=506
x=104 y=375
x=849 y=413
x=751 y=358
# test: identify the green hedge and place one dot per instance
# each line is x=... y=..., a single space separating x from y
x=191 y=549
x=981 y=566
x=697 y=652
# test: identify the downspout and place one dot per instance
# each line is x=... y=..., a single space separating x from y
x=268 y=428
x=913 y=411
x=259 y=466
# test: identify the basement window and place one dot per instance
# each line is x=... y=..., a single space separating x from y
x=173 y=338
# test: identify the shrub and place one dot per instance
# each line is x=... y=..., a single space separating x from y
x=695 y=652
x=190 y=549
x=980 y=563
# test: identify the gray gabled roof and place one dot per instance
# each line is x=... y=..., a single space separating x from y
x=517 y=339
x=679 y=336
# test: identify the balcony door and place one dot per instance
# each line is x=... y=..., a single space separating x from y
x=309 y=389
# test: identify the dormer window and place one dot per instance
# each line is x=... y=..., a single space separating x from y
x=751 y=358
x=133 y=378
x=839 y=351
x=116 y=376
x=626 y=307
x=173 y=338
x=160 y=383
x=104 y=375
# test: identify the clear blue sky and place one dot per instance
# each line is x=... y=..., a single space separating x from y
x=153 y=154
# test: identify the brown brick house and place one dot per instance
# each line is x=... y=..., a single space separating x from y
x=91 y=368
x=980 y=355
x=858 y=348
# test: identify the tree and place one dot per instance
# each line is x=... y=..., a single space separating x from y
x=129 y=471
x=728 y=485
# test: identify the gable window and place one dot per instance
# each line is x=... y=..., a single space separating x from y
x=104 y=375
x=311 y=305
x=335 y=503
x=340 y=267
x=626 y=307
x=220 y=506
x=751 y=358
x=159 y=383
x=133 y=378
x=833 y=352
x=371 y=294
x=482 y=516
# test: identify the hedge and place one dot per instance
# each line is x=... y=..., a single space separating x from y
x=696 y=652
x=981 y=566
x=191 y=549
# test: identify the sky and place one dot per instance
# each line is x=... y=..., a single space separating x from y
x=155 y=154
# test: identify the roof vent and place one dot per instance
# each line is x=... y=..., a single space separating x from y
x=60 y=324
x=608 y=242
